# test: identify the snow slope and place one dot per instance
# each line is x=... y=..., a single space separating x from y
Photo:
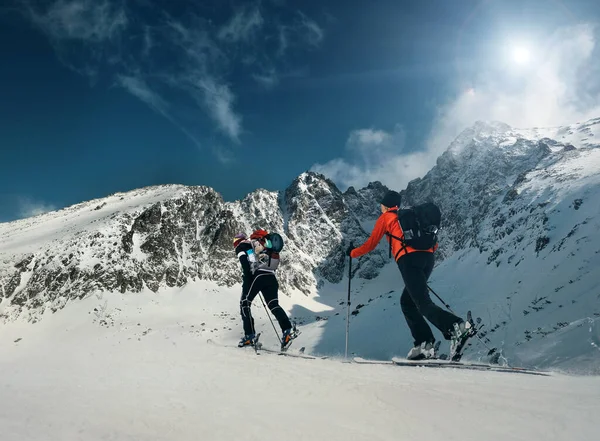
x=539 y=291
x=518 y=247
x=59 y=227
x=582 y=135
x=142 y=370
x=107 y=307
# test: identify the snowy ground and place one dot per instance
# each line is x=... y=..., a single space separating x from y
x=140 y=368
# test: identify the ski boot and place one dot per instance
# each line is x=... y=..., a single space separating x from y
x=423 y=351
x=288 y=336
x=247 y=340
x=461 y=332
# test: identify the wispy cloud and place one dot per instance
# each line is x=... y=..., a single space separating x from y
x=302 y=32
x=148 y=41
x=29 y=207
x=224 y=155
x=183 y=66
x=139 y=88
x=90 y=20
x=200 y=58
x=268 y=78
x=219 y=100
x=245 y=24
x=282 y=39
x=310 y=30
x=561 y=87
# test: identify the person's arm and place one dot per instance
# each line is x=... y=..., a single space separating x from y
x=242 y=253
x=376 y=235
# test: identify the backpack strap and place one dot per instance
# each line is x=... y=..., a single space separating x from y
x=403 y=249
x=390 y=235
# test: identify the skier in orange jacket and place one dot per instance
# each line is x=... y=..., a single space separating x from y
x=416 y=267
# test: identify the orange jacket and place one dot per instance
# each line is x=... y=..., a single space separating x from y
x=387 y=223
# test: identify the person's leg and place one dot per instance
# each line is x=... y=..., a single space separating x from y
x=416 y=269
x=248 y=296
x=269 y=288
x=420 y=330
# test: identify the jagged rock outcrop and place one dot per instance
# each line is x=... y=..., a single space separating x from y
x=166 y=236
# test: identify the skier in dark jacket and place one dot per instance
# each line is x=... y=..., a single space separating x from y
x=258 y=275
x=416 y=267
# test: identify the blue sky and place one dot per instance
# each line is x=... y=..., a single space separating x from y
x=100 y=96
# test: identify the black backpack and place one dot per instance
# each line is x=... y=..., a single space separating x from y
x=420 y=225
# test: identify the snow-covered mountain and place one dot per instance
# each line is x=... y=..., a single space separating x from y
x=519 y=242
x=518 y=248
x=167 y=236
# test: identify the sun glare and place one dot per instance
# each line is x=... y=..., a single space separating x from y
x=521 y=55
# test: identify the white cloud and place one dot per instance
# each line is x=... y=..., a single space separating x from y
x=555 y=89
x=181 y=67
x=148 y=41
x=375 y=155
x=193 y=45
x=302 y=32
x=219 y=100
x=224 y=156
x=560 y=86
x=311 y=31
x=140 y=89
x=89 y=20
x=268 y=79
x=283 y=40
x=29 y=208
x=199 y=56
x=244 y=24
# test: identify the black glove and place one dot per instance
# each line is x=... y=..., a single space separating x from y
x=349 y=250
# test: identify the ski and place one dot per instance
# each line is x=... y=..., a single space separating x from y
x=437 y=363
x=291 y=354
x=259 y=348
x=360 y=360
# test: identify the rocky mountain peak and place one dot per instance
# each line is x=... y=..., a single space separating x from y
x=167 y=236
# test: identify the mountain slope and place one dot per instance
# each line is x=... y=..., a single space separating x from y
x=162 y=381
x=167 y=236
x=517 y=248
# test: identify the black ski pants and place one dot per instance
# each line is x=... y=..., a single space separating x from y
x=416 y=304
x=267 y=284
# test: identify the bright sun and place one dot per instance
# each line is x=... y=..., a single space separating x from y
x=521 y=55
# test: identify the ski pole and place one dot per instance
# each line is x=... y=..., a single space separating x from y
x=348 y=304
x=491 y=350
x=270 y=319
x=444 y=303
